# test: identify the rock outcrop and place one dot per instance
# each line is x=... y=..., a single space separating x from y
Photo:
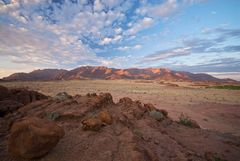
x=98 y=129
x=12 y=99
x=33 y=137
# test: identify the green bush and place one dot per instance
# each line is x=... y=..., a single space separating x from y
x=53 y=115
x=137 y=132
x=62 y=96
x=216 y=158
x=187 y=121
x=156 y=115
x=230 y=87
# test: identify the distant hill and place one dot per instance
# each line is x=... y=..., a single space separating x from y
x=101 y=72
x=45 y=74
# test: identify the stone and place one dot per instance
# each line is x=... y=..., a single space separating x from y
x=150 y=107
x=105 y=117
x=4 y=93
x=9 y=106
x=33 y=137
x=126 y=101
x=164 y=112
x=93 y=124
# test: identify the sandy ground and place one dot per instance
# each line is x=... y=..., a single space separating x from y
x=214 y=109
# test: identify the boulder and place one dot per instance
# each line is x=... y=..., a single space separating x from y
x=4 y=93
x=105 y=99
x=91 y=95
x=8 y=106
x=21 y=95
x=33 y=137
x=93 y=124
x=25 y=96
x=105 y=117
x=126 y=101
x=164 y=112
x=150 y=107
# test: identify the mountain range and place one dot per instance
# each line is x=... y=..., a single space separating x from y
x=101 y=72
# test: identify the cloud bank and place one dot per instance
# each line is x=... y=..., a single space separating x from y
x=69 y=33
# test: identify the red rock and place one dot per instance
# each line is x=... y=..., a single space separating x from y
x=25 y=96
x=33 y=137
x=105 y=117
x=106 y=98
x=150 y=107
x=4 y=93
x=164 y=112
x=126 y=101
x=8 y=106
x=93 y=124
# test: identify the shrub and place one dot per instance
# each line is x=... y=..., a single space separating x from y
x=156 y=115
x=187 y=121
x=137 y=132
x=209 y=156
x=216 y=158
x=229 y=87
x=62 y=96
x=53 y=115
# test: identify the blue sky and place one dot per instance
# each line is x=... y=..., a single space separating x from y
x=187 y=35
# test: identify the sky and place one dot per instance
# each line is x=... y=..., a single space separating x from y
x=187 y=35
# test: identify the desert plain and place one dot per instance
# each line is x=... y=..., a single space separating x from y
x=213 y=109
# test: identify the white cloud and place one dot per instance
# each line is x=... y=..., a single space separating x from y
x=112 y=3
x=108 y=40
x=98 y=6
x=145 y=23
x=118 y=30
x=161 y=10
x=44 y=33
x=58 y=36
x=105 y=41
x=137 y=46
x=164 y=54
x=125 y=48
x=34 y=48
x=120 y=61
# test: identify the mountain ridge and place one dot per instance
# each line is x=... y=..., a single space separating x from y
x=102 y=72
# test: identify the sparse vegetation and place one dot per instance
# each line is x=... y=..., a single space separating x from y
x=137 y=132
x=187 y=121
x=52 y=115
x=156 y=115
x=216 y=158
x=209 y=156
x=62 y=96
x=229 y=87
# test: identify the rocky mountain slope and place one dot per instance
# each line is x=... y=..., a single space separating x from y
x=100 y=72
x=41 y=75
x=96 y=128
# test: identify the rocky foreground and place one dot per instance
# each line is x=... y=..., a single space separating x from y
x=94 y=128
